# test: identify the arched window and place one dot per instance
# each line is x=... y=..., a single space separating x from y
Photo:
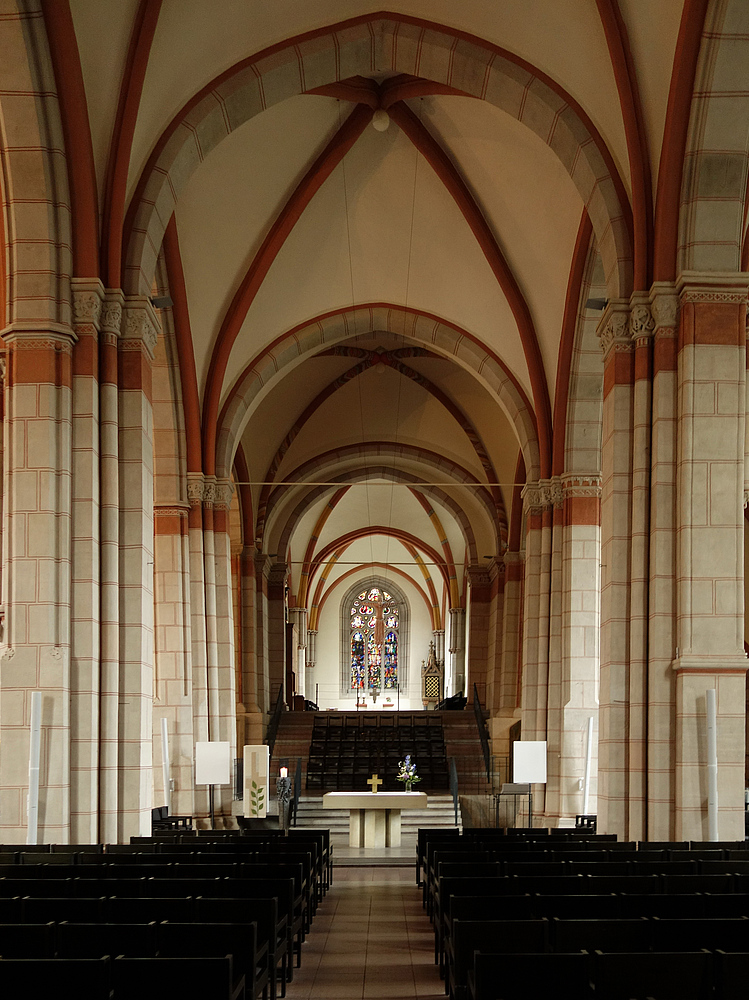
x=374 y=665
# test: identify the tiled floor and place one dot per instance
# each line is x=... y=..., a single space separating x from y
x=370 y=939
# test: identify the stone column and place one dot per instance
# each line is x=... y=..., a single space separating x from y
x=135 y=354
x=109 y=581
x=458 y=650
x=478 y=630
x=253 y=714
x=85 y=600
x=494 y=652
x=200 y=727
x=173 y=659
x=508 y=706
x=641 y=328
x=656 y=758
x=311 y=659
x=36 y=577
x=265 y=695
x=580 y=628
x=224 y=670
x=209 y=583
x=616 y=518
x=439 y=646
x=277 y=632
x=537 y=504
x=711 y=376
x=556 y=691
x=512 y=632
x=298 y=617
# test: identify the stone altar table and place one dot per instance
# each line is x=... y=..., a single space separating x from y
x=374 y=818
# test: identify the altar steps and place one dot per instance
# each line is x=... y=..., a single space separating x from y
x=459 y=729
x=439 y=813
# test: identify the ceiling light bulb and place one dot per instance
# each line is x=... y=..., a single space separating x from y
x=380 y=120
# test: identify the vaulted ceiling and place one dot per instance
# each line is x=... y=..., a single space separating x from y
x=376 y=315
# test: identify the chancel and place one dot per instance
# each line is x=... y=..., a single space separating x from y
x=374 y=387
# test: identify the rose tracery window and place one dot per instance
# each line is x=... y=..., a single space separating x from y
x=374 y=640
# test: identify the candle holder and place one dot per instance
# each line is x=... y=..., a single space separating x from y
x=283 y=794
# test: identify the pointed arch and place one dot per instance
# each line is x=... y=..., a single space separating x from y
x=38 y=258
x=716 y=161
x=381 y=449
x=340 y=325
x=391 y=475
x=389 y=44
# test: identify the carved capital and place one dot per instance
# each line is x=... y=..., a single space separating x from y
x=194 y=489
x=665 y=304
x=209 y=491
x=641 y=322
x=111 y=312
x=222 y=494
x=141 y=326
x=278 y=573
x=613 y=330
x=87 y=301
x=479 y=576
x=544 y=493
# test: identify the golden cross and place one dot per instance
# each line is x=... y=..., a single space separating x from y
x=375 y=782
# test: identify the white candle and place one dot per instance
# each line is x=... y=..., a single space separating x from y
x=284 y=772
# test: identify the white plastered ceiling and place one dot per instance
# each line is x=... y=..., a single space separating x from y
x=382 y=229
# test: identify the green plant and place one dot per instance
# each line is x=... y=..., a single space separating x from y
x=257 y=799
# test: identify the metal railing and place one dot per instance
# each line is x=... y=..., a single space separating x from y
x=274 y=723
x=238 y=778
x=454 y=786
x=483 y=734
x=297 y=792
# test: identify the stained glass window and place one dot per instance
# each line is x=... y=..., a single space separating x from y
x=373 y=667
x=357 y=660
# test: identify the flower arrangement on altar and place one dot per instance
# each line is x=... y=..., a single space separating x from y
x=407 y=773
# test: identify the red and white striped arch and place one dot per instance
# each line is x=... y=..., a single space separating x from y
x=380 y=44
x=335 y=327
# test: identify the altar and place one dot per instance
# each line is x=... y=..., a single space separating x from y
x=374 y=817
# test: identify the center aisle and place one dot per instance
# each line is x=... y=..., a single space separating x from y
x=371 y=938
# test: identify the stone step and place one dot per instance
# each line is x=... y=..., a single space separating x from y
x=439 y=813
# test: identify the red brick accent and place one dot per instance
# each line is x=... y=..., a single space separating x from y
x=86 y=354
x=713 y=323
x=135 y=372
x=514 y=571
x=47 y=362
x=582 y=510
x=535 y=522
x=619 y=370
x=664 y=354
x=167 y=524
x=642 y=361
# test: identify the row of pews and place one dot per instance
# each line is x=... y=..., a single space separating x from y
x=220 y=916
x=531 y=915
x=346 y=751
